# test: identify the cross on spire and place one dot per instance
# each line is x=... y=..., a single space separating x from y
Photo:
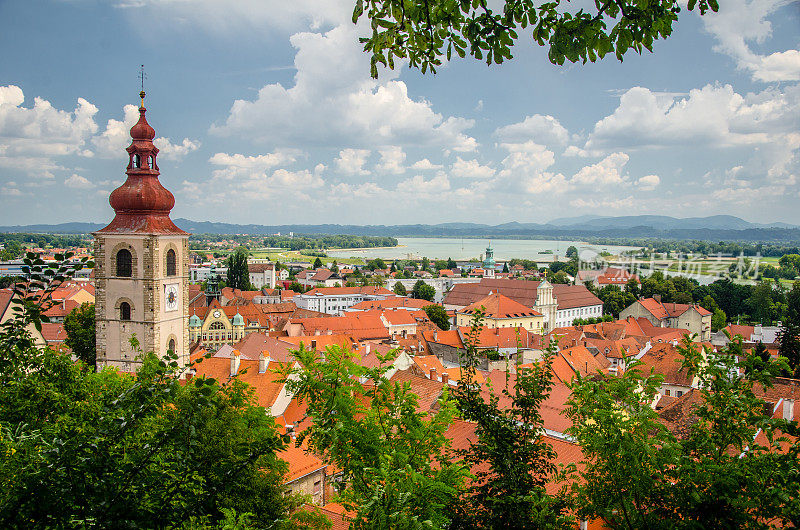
x=142 y=76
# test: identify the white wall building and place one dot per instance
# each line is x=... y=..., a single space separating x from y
x=335 y=300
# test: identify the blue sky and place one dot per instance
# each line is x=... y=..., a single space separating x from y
x=265 y=113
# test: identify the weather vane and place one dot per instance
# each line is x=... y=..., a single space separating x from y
x=142 y=76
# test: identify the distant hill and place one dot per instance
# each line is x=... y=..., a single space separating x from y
x=714 y=228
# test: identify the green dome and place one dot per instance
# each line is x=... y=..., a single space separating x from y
x=195 y=322
x=238 y=320
x=488 y=262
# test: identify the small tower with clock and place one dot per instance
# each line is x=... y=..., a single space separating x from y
x=141 y=264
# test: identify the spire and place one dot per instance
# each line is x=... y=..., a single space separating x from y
x=142 y=204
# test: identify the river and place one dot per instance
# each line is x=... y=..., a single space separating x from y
x=464 y=249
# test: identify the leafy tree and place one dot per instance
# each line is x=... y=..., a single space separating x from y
x=393 y=268
x=451 y=264
x=438 y=316
x=376 y=263
x=107 y=450
x=80 y=327
x=513 y=459
x=426 y=263
x=559 y=277
x=11 y=250
x=572 y=252
x=392 y=457
x=399 y=289
x=718 y=319
x=425 y=33
x=789 y=336
x=334 y=268
x=632 y=287
x=716 y=473
x=423 y=291
x=238 y=271
x=317 y=264
x=614 y=299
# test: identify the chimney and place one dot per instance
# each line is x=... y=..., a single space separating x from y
x=657 y=298
x=433 y=374
x=445 y=378
x=313 y=344
x=435 y=336
x=367 y=348
x=263 y=362
x=234 y=362
x=788 y=409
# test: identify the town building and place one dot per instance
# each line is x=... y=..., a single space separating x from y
x=500 y=311
x=691 y=317
x=559 y=304
x=141 y=264
x=335 y=300
x=262 y=275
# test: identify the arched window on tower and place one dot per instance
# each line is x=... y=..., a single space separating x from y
x=150 y=161
x=172 y=268
x=124 y=263
x=124 y=311
x=171 y=345
x=137 y=161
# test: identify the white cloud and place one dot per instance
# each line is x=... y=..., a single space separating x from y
x=334 y=101
x=351 y=161
x=417 y=184
x=392 y=160
x=648 y=182
x=607 y=171
x=424 y=164
x=78 y=182
x=525 y=168
x=740 y=22
x=116 y=137
x=538 y=128
x=713 y=115
x=471 y=169
x=31 y=137
x=621 y=203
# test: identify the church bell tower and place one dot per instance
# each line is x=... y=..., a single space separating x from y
x=141 y=264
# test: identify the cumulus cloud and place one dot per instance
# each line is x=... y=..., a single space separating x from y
x=648 y=182
x=78 y=182
x=334 y=101
x=714 y=115
x=471 y=169
x=424 y=164
x=111 y=143
x=525 y=169
x=30 y=137
x=606 y=172
x=541 y=129
x=351 y=161
x=741 y=22
x=392 y=160
x=417 y=184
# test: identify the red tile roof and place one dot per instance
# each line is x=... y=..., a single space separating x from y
x=497 y=305
x=522 y=291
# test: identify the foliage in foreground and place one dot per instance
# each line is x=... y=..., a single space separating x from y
x=109 y=450
x=717 y=473
x=393 y=457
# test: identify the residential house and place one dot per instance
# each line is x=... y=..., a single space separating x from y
x=692 y=317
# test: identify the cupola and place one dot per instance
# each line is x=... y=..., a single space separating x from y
x=142 y=204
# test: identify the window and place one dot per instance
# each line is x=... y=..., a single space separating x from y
x=124 y=311
x=171 y=345
x=217 y=325
x=124 y=263
x=150 y=161
x=171 y=265
x=679 y=393
x=666 y=392
x=137 y=161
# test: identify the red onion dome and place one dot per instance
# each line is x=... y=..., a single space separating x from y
x=142 y=193
x=142 y=129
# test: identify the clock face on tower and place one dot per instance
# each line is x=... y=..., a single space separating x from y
x=171 y=297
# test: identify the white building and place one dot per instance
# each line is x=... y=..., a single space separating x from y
x=335 y=300
x=262 y=274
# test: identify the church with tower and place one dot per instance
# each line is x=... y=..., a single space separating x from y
x=141 y=264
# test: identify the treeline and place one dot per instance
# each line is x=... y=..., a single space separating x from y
x=321 y=242
x=46 y=240
x=706 y=248
x=763 y=303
